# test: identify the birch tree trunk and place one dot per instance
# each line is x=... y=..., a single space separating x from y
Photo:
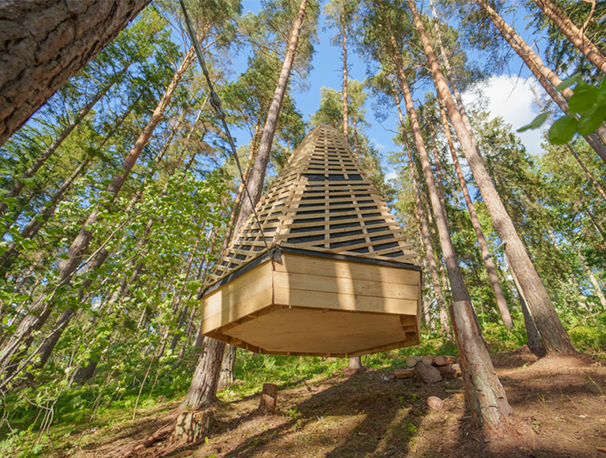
x=573 y=33
x=43 y=44
x=552 y=331
x=475 y=223
x=45 y=303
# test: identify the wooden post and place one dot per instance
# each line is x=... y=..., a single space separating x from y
x=269 y=398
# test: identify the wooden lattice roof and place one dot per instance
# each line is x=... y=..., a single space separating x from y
x=321 y=201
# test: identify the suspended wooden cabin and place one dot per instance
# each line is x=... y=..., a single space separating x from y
x=339 y=278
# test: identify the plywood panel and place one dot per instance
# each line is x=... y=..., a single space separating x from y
x=345 y=285
x=338 y=301
x=246 y=285
x=356 y=270
x=313 y=331
x=237 y=311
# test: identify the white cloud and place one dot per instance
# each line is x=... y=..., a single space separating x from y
x=511 y=98
x=391 y=175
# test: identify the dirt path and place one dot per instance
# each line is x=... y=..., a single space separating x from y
x=373 y=415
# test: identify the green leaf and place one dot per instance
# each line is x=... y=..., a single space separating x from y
x=538 y=122
x=592 y=119
x=569 y=82
x=563 y=130
x=584 y=98
x=27 y=181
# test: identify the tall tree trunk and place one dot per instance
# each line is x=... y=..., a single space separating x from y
x=573 y=33
x=39 y=162
x=552 y=331
x=44 y=304
x=425 y=236
x=345 y=85
x=48 y=210
x=475 y=223
x=257 y=175
x=590 y=274
x=587 y=172
x=486 y=396
x=44 y=44
x=203 y=388
x=548 y=79
x=228 y=364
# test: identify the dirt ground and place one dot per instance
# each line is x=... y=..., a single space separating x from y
x=562 y=402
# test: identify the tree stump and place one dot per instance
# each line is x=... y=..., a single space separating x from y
x=193 y=426
x=269 y=398
x=427 y=374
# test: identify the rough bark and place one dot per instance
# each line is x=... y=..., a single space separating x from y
x=547 y=78
x=573 y=33
x=228 y=366
x=203 y=388
x=44 y=304
x=44 y=44
x=257 y=175
x=355 y=363
x=269 y=398
x=554 y=334
x=41 y=160
x=475 y=223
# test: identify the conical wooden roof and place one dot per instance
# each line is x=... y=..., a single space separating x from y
x=321 y=201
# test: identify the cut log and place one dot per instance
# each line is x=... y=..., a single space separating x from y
x=426 y=374
x=404 y=373
x=435 y=403
x=269 y=398
x=427 y=360
x=444 y=360
x=450 y=370
x=193 y=426
x=412 y=361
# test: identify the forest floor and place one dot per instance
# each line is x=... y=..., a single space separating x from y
x=561 y=400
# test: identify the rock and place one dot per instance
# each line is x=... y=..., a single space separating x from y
x=435 y=403
x=427 y=374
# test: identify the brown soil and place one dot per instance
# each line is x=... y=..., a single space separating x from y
x=561 y=400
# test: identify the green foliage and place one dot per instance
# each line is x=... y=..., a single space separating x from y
x=588 y=112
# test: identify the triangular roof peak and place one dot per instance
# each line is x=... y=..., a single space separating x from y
x=321 y=201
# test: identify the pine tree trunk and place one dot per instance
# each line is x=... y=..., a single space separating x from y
x=548 y=79
x=48 y=43
x=486 y=397
x=228 y=368
x=425 y=236
x=40 y=161
x=44 y=304
x=573 y=33
x=475 y=223
x=203 y=388
x=355 y=363
x=257 y=175
x=345 y=85
x=552 y=331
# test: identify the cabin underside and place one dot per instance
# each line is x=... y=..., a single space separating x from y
x=314 y=304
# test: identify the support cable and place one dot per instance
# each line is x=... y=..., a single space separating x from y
x=215 y=102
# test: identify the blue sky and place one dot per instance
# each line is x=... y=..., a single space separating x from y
x=508 y=95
